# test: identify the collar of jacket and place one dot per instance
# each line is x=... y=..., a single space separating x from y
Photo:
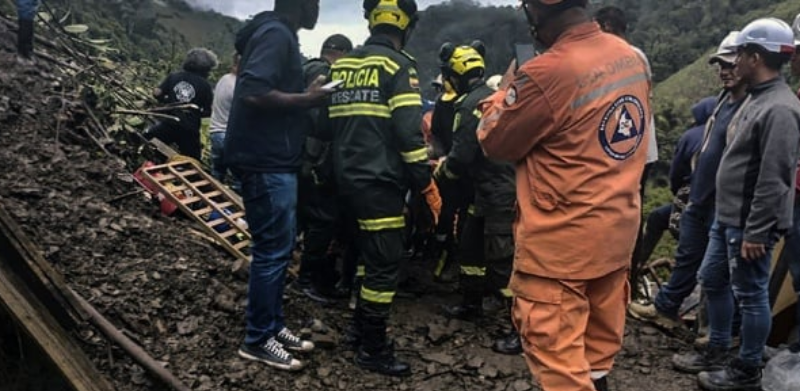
x=578 y=32
x=767 y=85
x=380 y=40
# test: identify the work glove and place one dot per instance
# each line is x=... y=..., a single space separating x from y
x=439 y=170
x=433 y=200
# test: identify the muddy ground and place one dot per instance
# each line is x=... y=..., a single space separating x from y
x=175 y=294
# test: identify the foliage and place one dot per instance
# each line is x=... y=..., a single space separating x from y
x=461 y=22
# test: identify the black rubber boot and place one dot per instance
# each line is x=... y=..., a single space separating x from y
x=736 y=376
x=351 y=340
x=510 y=344
x=377 y=353
x=25 y=39
x=470 y=309
x=709 y=358
x=601 y=384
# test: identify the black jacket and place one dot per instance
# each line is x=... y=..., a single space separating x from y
x=494 y=181
x=375 y=119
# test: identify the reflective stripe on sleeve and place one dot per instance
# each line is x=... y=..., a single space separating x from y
x=373 y=225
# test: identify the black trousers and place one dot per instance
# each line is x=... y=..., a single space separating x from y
x=380 y=241
x=319 y=213
x=486 y=253
x=187 y=140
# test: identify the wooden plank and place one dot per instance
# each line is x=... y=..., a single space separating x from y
x=25 y=259
x=35 y=319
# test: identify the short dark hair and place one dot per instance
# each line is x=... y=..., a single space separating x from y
x=338 y=43
x=286 y=5
x=772 y=60
x=612 y=17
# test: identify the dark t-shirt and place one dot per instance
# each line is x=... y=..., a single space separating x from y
x=184 y=88
x=704 y=178
x=259 y=139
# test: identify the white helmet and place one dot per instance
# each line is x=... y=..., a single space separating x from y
x=772 y=34
x=796 y=30
x=724 y=52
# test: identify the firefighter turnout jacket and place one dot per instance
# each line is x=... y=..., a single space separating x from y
x=493 y=180
x=376 y=115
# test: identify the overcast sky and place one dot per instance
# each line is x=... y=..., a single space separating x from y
x=336 y=16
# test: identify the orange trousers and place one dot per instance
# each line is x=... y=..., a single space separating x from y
x=570 y=330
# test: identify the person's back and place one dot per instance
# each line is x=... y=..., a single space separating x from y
x=365 y=144
x=266 y=140
x=582 y=175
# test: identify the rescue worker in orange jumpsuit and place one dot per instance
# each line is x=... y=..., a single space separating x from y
x=574 y=119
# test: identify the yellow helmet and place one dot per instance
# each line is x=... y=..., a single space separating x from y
x=463 y=61
x=401 y=14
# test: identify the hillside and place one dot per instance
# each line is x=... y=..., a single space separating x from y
x=675 y=95
x=156 y=31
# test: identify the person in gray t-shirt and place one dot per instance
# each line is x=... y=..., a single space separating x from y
x=223 y=96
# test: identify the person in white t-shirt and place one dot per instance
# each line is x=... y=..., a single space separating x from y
x=223 y=96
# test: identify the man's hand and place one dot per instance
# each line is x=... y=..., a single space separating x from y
x=317 y=95
x=433 y=200
x=753 y=251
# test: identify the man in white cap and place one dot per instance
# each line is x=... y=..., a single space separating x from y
x=754 y=202
x=699 y=214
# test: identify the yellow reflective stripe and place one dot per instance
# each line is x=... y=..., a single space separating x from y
x=415 y=156
x=473 y=271
x=382 y=224
x=361 y=271
x=440 y=264
x=471 y=210
x=376 y=297
x=365 y=109
x=405 y=100
x=356 y=63
x=506 y=292
x=477 y=113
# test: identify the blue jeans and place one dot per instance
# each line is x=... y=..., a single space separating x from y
x=218 y=168
x=26 y=9
x=791 y=249
x=725 y=274
x=270 y=201
x=692 y=241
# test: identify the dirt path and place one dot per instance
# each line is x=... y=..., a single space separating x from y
x=175 y=294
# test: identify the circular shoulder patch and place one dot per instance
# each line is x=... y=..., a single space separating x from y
x=622 y=128
x=511 y=96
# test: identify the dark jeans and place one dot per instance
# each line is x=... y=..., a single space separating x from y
x=26 y=9
x=270 y=201
x=791 y=249
x=187 y=140
x=694 y=227
x=725 y=274
x=318 y=211
x=657 y=224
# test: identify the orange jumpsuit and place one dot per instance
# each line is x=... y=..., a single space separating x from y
x=574 y=120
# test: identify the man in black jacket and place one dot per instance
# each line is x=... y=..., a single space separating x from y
x=487 y=245
x=185 y=87
x=263 y=148
x=317 y=201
